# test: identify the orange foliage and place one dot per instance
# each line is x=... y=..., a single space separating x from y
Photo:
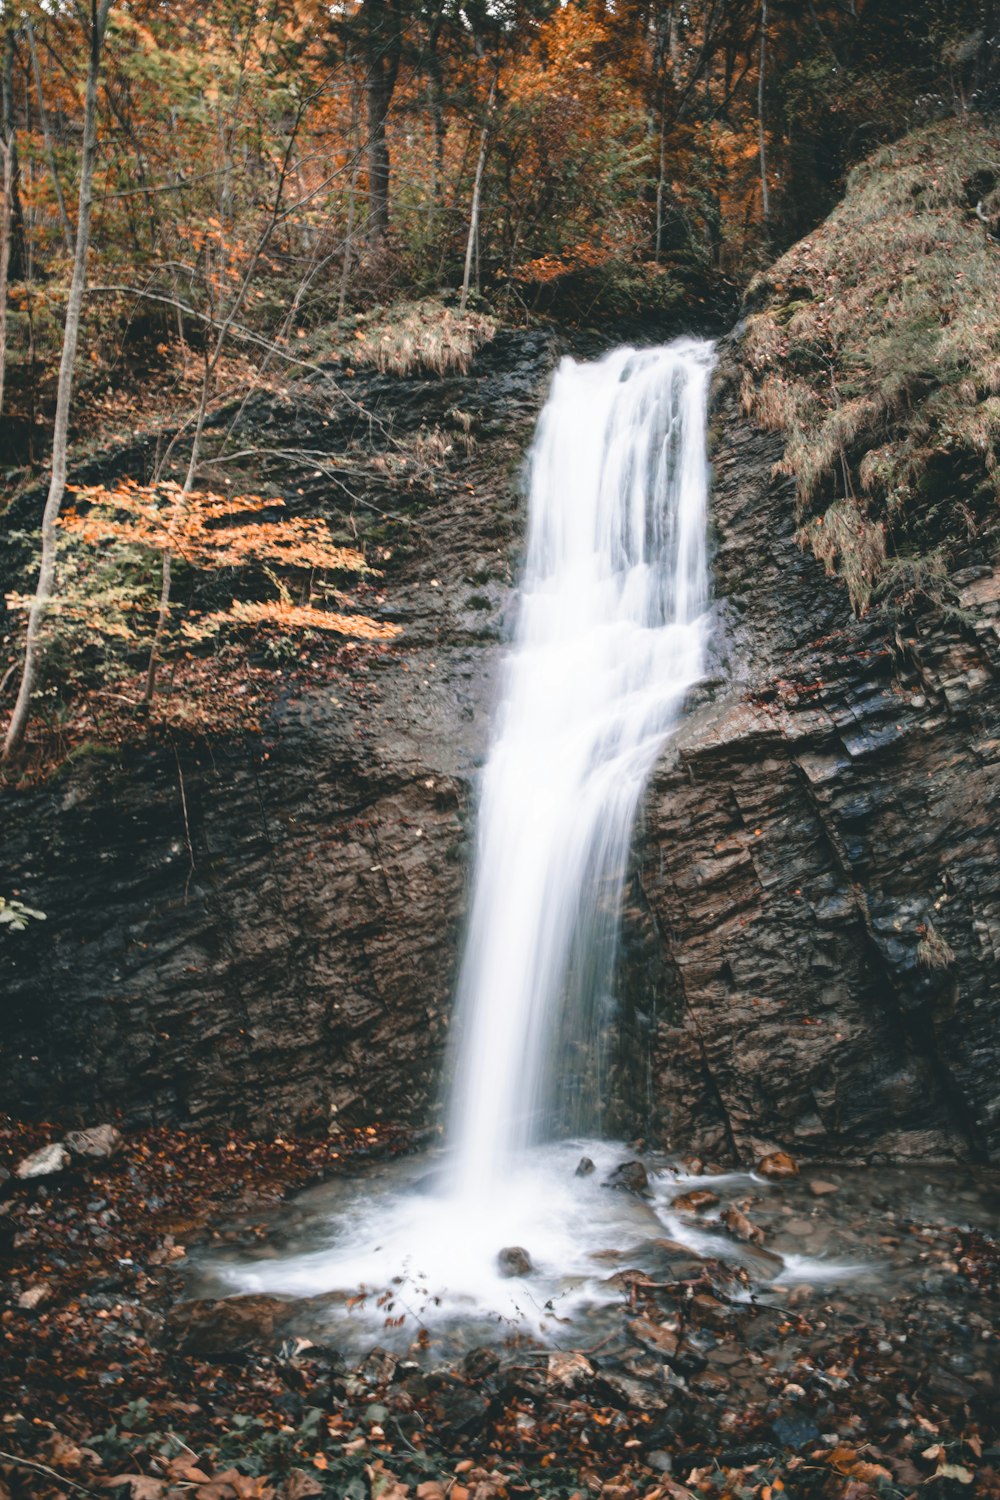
x=164 y=518
x=287 y=616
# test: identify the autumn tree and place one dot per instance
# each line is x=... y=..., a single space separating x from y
x=47 y=571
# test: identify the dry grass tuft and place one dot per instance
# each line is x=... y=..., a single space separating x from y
x=427 y=338
x=875 y=349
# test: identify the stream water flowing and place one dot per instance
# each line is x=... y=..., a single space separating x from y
x=611 y=636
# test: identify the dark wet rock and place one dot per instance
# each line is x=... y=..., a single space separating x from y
x=740 y=1227
x=569 y=1372
x=378 y=1367
x=481 y=1364
x=630 y=1177
x=658 y=1338
x=712 y=1313
x=298 y=962
x=96 y=1144
x=629 y=1393
x=513 y=1260
x=226 y=1330
x=793 y=1430
x=47 y=1161
x=457 y=1408
x=585 y=1167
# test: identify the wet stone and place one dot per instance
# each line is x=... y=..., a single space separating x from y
x=480 y=1364
x=657 y=1337
x=630 y=1177
x=226 y=1330
x=513 y=1260
x=568 y=1372
x=585 y=1167
x=696 y=1202
x=740 y=1227
x=794 y=1431
x=777 y=1166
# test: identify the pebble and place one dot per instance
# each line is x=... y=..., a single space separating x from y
x=35 y=1296
x=821 y=1189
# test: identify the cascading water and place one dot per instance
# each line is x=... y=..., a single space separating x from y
x=611 y=636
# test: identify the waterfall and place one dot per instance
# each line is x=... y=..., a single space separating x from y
x=610 y=637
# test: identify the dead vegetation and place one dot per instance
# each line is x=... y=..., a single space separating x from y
x=874 y=347
x=425 y=338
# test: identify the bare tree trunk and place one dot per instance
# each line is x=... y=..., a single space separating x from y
x=64 y=391
x=7 y=130
x=477 y=190
x=765 y=194
x=352 y=203
x=378 y=157
x=5 y=218
x=376 y=32
x=50 y=155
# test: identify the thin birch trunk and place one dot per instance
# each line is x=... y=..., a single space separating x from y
x=5 y=230
x=477 y=190
x=64 y=392
x=765 y=194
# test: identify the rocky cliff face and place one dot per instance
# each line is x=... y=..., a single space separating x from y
x=266 y=933
x=813 y=922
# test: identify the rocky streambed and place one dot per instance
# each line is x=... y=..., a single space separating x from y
x=700 y=1374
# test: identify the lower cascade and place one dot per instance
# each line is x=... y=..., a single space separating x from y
x=503 y=1229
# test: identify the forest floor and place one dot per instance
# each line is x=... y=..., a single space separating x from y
x=116 y=1384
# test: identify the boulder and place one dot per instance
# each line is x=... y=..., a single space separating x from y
x=47 y=1161
x=630 y=1177
x=98 y=1143
x=777 y=1166
x=225 y=1330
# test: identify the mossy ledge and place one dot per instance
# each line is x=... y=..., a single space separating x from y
x=873 y=346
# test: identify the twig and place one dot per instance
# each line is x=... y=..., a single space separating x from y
x=187 y=825
x=29 y=1463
